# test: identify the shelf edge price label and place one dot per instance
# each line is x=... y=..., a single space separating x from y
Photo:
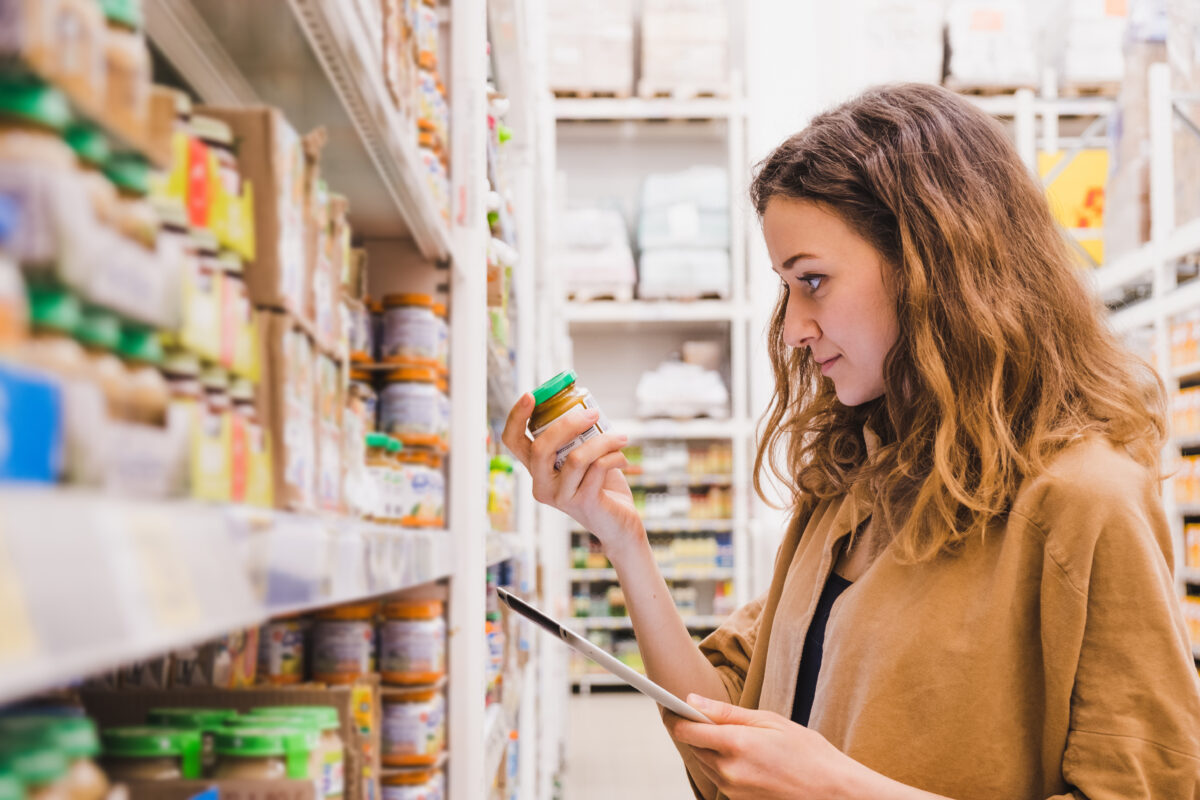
x=169 y=593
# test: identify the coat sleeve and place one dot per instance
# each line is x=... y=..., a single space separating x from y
x=1114 y=640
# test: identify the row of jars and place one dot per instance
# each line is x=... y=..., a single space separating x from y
x=409 y=329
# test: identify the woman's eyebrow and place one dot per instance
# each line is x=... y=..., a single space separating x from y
x=791 y=262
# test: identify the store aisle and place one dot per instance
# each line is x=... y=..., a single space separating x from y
x=617 y=747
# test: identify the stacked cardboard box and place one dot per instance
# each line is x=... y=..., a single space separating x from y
x=685 y=48
x=991 y=45
x=903 y=40
x=1085 y=39
x=591 y=47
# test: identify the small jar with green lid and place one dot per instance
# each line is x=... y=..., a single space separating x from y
x=54 y=314
x=556 y=397
x=99 y=332
x=11 y=787
x=149 y=395
x=33 y=116
x=73 y=736
x=39 y=766
x=205 y=720
x=332 y=748
x=149 y=753
x=266 y=749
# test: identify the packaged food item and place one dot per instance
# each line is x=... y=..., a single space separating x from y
x=126 y=70
x=380 y=495
x=362 y=338
x=343 y=648
x=252 y=480
x=260 y=751
x=413 y=729
x=227 y=662
x=211 y=468
x=444 y=413
x=426 y=34
x=410 y=785
x=289 y=410
x=331 y=747
x=281 y=652
x=239 y=331
x=410 y=408
x=141 y=753
x=100 y=334
x=363 y=388
x=205 y=721
x=442 y=350
x=330 y=404
x=410 y=334
x=556 y=397
x=149 y=393
x=412 y=642
x=72 y=736
x=501 y=488
x=271 y=158
x=40 y=770
x=63 y=41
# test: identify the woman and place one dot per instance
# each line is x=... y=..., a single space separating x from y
x=974 y=598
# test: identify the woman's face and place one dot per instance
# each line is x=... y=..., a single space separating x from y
x=837 y=304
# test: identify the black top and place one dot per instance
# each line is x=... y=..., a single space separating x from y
x=814 y=644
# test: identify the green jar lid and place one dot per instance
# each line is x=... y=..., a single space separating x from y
x=202 y=719
x=297 y=726
x=74 y=736
x=140 y=344
x=11 y=787
x=269 y=739
x=30 y=100
x=148 y=741
x=34 y=761
x=99 y=328
x=324 y=717
x=379 y=440
x=54 y=309
x=89 y=143
x=394 y=445
x=553 y=386
x=129 y=172
x=123 y=12
x=501 y=464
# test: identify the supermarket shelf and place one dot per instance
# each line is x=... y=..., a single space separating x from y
x=715 y=574
x=679 y=429
x=648 y=311
x=88 y=582
x=621 y=623
x=682 y=526
x=1130 y=268
x=637 y=108
x=496 y=728
x=680 y=479
x=1183 y=241
x=317 y=61
x=503 y=546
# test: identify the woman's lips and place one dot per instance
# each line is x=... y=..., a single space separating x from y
x=826 y=365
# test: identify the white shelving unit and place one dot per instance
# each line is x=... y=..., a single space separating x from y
x=579 y=575
x=89 y=582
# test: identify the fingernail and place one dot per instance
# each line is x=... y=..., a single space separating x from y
x=622 y=439
x=591 y=415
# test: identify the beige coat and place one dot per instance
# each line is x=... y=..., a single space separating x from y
x=1048 y=658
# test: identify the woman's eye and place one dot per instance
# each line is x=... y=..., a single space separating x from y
x=813 y=282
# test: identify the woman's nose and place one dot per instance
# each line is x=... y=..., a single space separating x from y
x=799 y=328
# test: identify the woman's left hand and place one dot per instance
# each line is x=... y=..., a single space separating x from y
x=760 y=755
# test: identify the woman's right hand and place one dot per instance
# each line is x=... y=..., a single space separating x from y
x=590 y=486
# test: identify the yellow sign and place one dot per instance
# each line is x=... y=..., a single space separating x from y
x=1076 y=195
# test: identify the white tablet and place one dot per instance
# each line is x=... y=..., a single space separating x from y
x=572 y=639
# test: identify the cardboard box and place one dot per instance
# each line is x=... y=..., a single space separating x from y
x=271 y=156
x=685 y=47
x=287 y=408
x=991 y=44
x=591 y=47
x=357 y=706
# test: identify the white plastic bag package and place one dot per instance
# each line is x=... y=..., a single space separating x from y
x=592 y=249
x=685 y=209
x=682 y=391
x=684 y=274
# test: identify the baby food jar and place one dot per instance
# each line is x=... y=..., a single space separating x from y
x=264 y=752
x=100 y=334
x=443 y=399
x=409 y=408
x=409 y=330
x=281 y=652
x=363 y=387
x=331 y=747
x=127 y=69
x=149 y=393
x=414 y=728
x=361 y=332
x=442 y=325
x=147 y=753
x=556 y=397
x=74 y=737
x=380 y=469
x=412 y=642
x=344 y=643
x=37 y=767
x=415 y=785
x=205 y=721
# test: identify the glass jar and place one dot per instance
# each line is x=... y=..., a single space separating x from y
x=415 y=785
x=147 y=753
x=100 y=334
x=281 y=652
x=556 y=397
x=74 y=737
x=261 y=750
x=344 y=643
x=362 y=333
x=409 y=330
x=92 y=152
x=412 y=642
x=414 y=728
x=444 y=413
x=442 y=323
x=205 y=721
x=363 y=387
x=149 y=393
x=127 y=70
x=331 y=745
x=36 y=765
x=409 y=408
x=380 y=469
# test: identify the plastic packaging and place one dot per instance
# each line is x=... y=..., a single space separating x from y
x=412 y=642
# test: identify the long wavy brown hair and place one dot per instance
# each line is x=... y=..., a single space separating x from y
x=1003 y=358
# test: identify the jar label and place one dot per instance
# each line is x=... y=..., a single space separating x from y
x=413 y=729
x=409 y=408
x=409 y=333
x=333 y=774
x=342 y=648
x=281 y=650
x=409 y=646
x=602 y=426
